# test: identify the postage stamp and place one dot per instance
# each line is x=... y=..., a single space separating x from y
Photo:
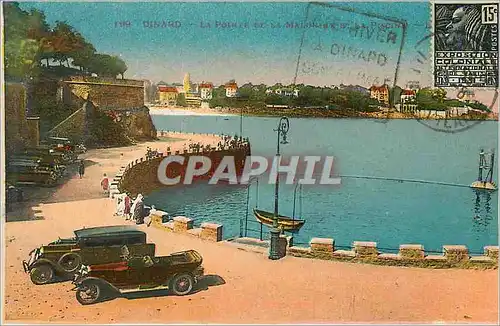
x=203 y=162
x=466 y=45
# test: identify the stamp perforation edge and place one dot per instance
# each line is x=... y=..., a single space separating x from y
x=433 y=4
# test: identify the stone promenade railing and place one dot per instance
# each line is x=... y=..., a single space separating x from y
x=184 y=225
x=409 y=254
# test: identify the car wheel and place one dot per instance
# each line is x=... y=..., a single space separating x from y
x=42 y=274
x=182 y=284
x=88 y=293
x=70 y=262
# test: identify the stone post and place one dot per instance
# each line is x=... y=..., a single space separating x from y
x=182 y=224
x=456 y=253
x=322 y=247
x=491 y=251
x=411 y=251
x=365 y=249
x=211 y=231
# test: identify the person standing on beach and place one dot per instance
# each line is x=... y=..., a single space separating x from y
x=126 y=211
x=81 y=169
x=105 y=184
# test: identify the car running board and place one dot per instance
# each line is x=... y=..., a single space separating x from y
x=144 y=290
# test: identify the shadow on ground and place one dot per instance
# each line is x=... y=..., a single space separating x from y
x=24 y=211
x=202 y=285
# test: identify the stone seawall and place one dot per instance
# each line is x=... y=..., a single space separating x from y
x=411 y=255
x=141 y=176
x=107 y=93
x=122 y=100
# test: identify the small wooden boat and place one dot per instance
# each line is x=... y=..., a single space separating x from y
x=284 y=222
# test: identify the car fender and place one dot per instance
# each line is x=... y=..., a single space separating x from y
x=42 y=261
x=96 y=279
x=170 y=279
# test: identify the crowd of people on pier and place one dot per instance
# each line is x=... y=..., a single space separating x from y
x=132 y=209
x=150 y=154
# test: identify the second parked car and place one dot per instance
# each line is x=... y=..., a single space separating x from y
x=99 y=245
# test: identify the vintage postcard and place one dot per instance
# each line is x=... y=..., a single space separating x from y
x=249 y=162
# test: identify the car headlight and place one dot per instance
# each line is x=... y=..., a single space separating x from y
x=84 y=270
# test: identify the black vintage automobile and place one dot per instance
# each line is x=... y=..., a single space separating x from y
x=47 y=153
x=177 y=272
x=62 y=145
x=63 y=258
x=33 y=171
x=51 y=161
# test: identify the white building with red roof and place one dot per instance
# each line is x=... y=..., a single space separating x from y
x=408 y=100
x=206 y=90
x=231 y=89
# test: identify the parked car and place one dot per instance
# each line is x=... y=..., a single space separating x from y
x=99 y=245
x=177 y=272
x=46 y=152
x=28 y=170
x=62 y=145
x=52 y=162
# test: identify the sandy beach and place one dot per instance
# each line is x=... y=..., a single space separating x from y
x=198 y=111
x=242 y=286
x=166 y=110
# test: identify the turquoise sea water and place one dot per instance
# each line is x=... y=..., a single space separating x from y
x=388 y=212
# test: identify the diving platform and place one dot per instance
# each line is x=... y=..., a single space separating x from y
x=485 y=183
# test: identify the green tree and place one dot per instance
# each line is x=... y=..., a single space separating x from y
x=83 y=56
x=181 y=100
x=439 y=94
x=64 y=42
x=119 y=66
x=23 y=31
x=429 y=99
x=106 y=65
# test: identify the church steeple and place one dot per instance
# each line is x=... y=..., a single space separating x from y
x=187 y=83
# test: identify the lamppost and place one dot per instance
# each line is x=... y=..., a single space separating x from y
x=283 y=127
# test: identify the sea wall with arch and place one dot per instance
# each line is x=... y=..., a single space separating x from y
x=141 y=175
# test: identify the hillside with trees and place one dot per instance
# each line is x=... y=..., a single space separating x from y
x=35 y=49
x=255 y=98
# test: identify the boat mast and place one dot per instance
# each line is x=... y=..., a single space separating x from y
x=481 y=165
x=490 y=167
x=294 y=200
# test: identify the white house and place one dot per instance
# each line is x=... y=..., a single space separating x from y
x=206 y=90
x=283 y=91
x=231 y=89
x=408 y=101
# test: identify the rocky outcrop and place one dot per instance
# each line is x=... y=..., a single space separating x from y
x=110 y=112
x=137 y=123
